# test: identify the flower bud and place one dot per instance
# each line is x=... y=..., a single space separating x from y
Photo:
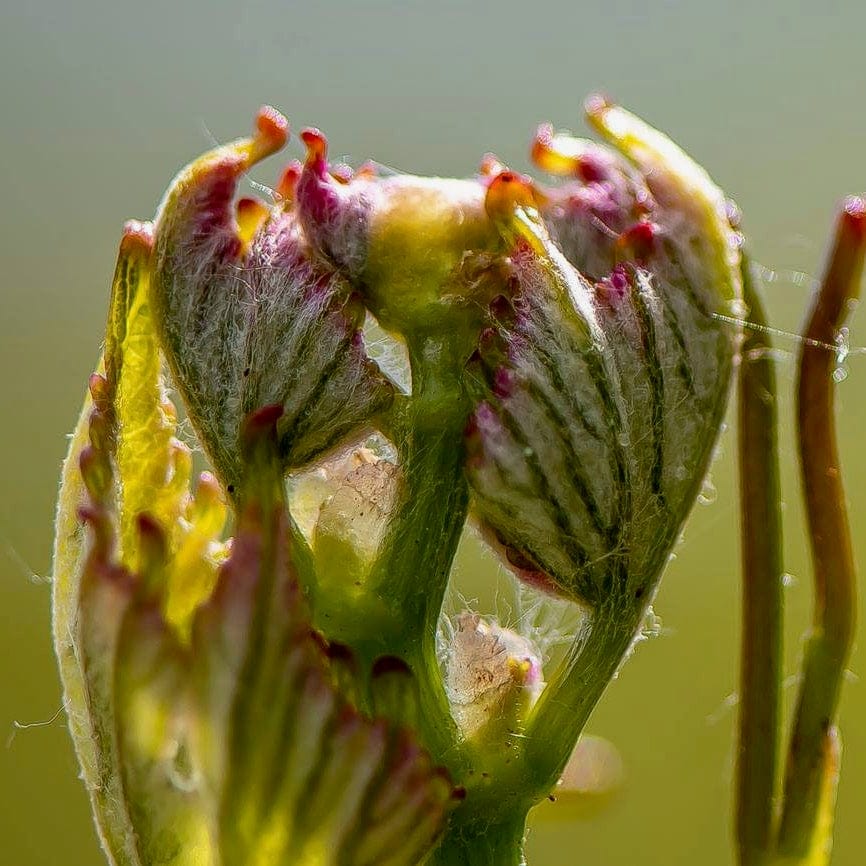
x=416 y=246
x=602 y=197
x=250 y=316
x=208 y=716
x=352 y=521
x=574 y=327
x=599 y=399
x=493 y=677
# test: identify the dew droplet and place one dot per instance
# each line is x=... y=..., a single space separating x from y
x=840 y=374
x=788 y=580
x=708 y=494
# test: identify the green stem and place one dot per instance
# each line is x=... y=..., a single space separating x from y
x=403 y=590
x=482 y=844
x=512 y=780
x=832 y=632
x=762 y=595
x=417 y=562
x=414 y=564
x=412 y=570
x=567 y=702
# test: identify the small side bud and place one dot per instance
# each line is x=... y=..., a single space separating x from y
x=493 y=676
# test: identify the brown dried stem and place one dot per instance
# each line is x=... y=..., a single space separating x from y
x=831 y=634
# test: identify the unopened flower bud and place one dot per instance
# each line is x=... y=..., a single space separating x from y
x=493 y=676
x=599 y=400
x=409 y=242
x=353 y=520
x=250 y=316
x=208 y=716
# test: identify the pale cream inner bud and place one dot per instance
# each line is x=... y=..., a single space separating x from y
x=492 y=674
x=343 y=506
x=356 y=515
x=310 y=490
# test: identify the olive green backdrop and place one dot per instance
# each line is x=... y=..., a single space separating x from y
x=101 y=101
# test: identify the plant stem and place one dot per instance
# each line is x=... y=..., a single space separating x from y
x=481 y=844
x=415 y=562
x=568 y=700
x=762 y=596
x=412 y=570
x=832 y=629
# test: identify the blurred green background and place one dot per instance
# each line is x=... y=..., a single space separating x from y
x=101 y=101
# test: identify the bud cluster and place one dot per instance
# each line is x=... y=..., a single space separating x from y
x=277 y=697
